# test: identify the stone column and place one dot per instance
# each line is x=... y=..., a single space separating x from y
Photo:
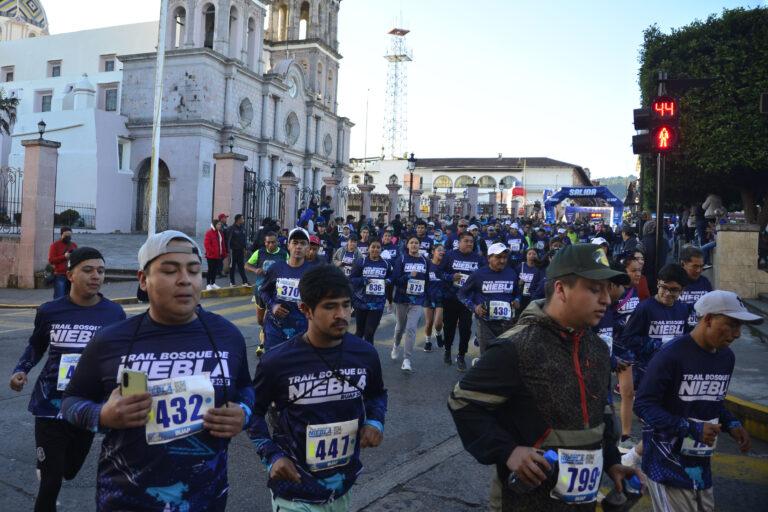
x=434 y=205
x=394 y=200
x=41 y=158
x=288 y=215
x=331 y=182
x=228 y=183
x=416 y=205
x=450 y=202
x=492 y=202
x=735 y=261
x=365 y=192
x=190 y=25
x=514 y=206
x=472 y=190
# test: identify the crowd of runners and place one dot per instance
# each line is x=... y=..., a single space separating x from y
x=565 y=316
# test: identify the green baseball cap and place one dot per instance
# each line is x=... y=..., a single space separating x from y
x=584 y=260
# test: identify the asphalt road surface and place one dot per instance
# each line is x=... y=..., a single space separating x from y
x=420 y=466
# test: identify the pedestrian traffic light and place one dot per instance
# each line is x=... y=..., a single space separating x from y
x=665 y=123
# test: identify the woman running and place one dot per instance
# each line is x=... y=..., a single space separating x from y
x=410 y=296
x=369 y=279
x=433 y=309
x=530 y=274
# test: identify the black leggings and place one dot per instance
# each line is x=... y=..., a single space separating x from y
x=367 y=321
x=214 y=267
x=237 y=264
x=454 y=312
x=61 y=451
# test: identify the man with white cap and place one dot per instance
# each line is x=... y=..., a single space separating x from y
x=517 y=245
x=166 y=433
x=681 y=403
x=492 y=294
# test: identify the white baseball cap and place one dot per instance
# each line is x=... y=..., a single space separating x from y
x=599 y=241
x=514 y=226
x=721 y=302
x=157 y=245
x=497 y=248
x=561 y=230
x=473 y=226
x=299 y=233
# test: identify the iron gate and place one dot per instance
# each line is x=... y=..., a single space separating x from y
x=261 y=199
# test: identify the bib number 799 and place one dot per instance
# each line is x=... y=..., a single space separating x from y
x=181 y=410
x=583 y=479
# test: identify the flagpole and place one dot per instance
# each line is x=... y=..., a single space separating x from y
x=154 y=170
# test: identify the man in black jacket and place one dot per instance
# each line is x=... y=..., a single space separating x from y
x=543 y=385
x=237 y=243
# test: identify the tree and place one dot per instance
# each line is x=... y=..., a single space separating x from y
x=723 y=137
x=7 y=113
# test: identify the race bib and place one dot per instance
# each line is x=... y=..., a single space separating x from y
x=67 y=367
x=288 y=289
x=330 y=445
x=178 y=407
x=693 y=448
x=462 y=279
x=375 y=287
x=578 y=475
x=526 y=288
x=415 y=287
x=514 y=245
x=499 y=310
x=347 y=271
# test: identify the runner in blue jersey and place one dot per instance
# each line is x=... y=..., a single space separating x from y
x=259 y=263
x=390 y=252
x=457 y=266
x=369 y=279
x=330 y=402
x=63 y=328
x=280 y=292
x=682 y=404
x=411 y=293
x=346 y=256
x=492 y=294
x=692 y=261
x=364 y=242
x=433 y=309
x=425 y=242
x=165 y=449
x=517 y=246
x=530 y=274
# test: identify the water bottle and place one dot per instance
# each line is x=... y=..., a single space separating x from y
x=518 y=486
x=633 y=485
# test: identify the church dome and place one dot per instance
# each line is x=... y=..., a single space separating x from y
x=27 y=11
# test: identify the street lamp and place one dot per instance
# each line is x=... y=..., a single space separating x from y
x=290 y=168
x=411 y=168
x=41 y=128
x=231 y=141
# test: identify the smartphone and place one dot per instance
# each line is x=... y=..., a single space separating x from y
x=133 y=383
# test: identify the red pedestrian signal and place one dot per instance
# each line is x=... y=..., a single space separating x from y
x=663 y=138
x=662 y=120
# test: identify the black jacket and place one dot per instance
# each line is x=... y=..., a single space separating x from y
x=528 y=390
x=236 y=238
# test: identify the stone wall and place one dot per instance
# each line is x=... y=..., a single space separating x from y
x=9 y=263
x=735 y=262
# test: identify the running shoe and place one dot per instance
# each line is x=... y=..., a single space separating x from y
x=461 y=364
x=439 y=339
x=475 y=360
x=428 y=346
x=631 y=459
x=232 y=285
x=395 y=353
x=209 y=287
x=447 y=357
x=215 y=286
x=253 y=298
x=406 y=367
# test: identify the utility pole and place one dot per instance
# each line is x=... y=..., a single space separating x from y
x=154 y=173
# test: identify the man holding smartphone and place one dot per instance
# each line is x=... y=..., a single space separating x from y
x=63 y=327
x=165 y=449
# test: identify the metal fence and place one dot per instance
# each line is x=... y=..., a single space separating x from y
x=262 y=198
x=10 y=200
x=74 y=215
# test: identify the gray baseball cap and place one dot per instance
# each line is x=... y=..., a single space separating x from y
x=157 y=245
x=721 y=302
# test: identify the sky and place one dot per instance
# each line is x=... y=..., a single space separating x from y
x=543 y=78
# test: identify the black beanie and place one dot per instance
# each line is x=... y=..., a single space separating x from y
x=81 y=254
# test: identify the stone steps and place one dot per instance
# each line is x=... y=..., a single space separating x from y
x=759 y=307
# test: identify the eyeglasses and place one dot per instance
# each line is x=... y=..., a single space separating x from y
x=670 y=290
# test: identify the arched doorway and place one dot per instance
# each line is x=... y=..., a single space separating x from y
x=142 y=197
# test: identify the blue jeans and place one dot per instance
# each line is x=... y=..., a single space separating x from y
x=60 y=286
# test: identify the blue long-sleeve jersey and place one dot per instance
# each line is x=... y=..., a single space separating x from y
x=323 y=397
x=185 y=474
x=369 y=281
x=456 y=262
x=496 y=290
x=692 y=292
x=437 y=286
x=281 y=286
x=61 y=327
x=409 y=288
x=684 y=386
x=530 y=278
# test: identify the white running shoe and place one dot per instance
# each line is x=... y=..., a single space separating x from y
x=209 y=287
x=475 y=360
x=406 y=367
x=215 y=286
x=395 y=353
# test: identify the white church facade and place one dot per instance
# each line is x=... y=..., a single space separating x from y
x=256 y=78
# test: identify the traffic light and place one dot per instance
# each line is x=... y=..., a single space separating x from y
x=659 y=124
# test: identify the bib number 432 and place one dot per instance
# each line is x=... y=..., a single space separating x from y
x=181 y=410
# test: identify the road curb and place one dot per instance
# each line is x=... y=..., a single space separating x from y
x=753 y=416
x=236 y=291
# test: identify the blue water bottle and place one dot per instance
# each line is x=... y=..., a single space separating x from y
x=517 y=486
x=633 y=485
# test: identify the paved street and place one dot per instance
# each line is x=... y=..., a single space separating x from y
x=421 y=465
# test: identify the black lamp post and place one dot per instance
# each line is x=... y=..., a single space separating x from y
x=411 y=168
x=231 y=143
x=41 y=128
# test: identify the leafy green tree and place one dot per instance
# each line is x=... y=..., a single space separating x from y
x=723 y=137
x=7 y=112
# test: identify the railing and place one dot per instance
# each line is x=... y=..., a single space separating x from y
x=75 y=215
x=261 y=199
x=10 y=200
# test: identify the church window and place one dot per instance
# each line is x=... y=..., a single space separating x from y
x=43 y=101
x=7 y=73
x=442 y=182
x=209 y=25
x=234 y=33
x=54 y=68
x=304 y=21
x=282 y=22
x=292 y=128
x=179 y=24
x=110 y=100
x=486 y=182
x=107 y=63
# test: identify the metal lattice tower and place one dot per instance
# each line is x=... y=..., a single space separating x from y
x=395 y=139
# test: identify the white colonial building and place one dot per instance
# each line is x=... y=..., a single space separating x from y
x=260 y=77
